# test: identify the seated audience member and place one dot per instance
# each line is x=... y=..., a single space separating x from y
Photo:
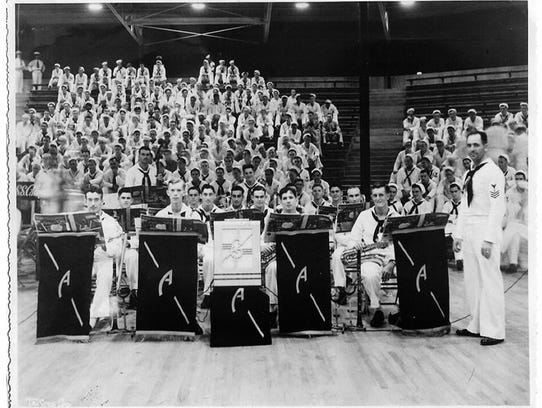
x=452 y=207
x=430 y=188
x=522 y=117
x=114 y=177
x=331 y=131
x=376 y=264
x=317 y=200
x=516 y=220
x=94 y=176
x=393 y=202
x=144 y=172
x=406 y=177
x=317 y=180
x=328 y=108
x=472 y=122
x=443 y=189
x=437 y=123
x=503 y=117
x=454 y=120
x=407 y=149
x=509 y=172
x=417 y=205
x=440 y=154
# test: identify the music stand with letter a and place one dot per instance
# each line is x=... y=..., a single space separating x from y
x=64 y=294
x=303 y=278
x=239 y=307
x=422 y=272
x=168 y=275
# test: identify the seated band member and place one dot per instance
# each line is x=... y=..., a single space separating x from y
x=288 y=201
x=178 y=209
x=376 y=264
x=452 y=207
x=131 y=254
x=103 y=256
x=208 y=206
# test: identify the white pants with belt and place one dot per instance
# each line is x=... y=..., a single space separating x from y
x=483 y=284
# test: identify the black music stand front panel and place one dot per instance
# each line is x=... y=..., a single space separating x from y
x=64 y=292
x=167 y=291
x=239 y=317
x=304 y=282
x=422 y=278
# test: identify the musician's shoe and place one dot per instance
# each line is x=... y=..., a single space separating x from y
x=133 y=300
x=512 y=268
x=489 y=341
x=378 y=319
x=459 y=264
x=466 y=333
x=338 y=295
x=206 y=302
x=394 y=319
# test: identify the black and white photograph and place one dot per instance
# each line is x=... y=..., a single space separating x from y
x=270 y=203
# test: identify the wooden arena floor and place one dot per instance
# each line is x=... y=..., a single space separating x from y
x=354 y=368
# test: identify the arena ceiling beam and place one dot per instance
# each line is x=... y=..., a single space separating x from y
x=196 y=21
x=190 y=34
x=134 y=33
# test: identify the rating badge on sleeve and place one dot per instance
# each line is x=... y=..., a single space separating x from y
x=494 y=193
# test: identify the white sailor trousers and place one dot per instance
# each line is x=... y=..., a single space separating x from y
x=483 y=282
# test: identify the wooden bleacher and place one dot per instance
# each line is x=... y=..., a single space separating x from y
x=344 y=94
x=482 y=90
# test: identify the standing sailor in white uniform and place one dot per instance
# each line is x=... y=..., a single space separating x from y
x=479 y=234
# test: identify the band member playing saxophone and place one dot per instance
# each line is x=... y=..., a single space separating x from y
x=377 y=264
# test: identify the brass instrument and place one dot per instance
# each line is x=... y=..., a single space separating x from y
x=268 y=254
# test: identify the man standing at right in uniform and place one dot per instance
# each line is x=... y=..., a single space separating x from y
x=479 y=235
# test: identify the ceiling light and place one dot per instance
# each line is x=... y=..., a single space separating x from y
x=198 y=6
x=301 y=6
x=95 y=6
x=419 y=73
x=407 y=3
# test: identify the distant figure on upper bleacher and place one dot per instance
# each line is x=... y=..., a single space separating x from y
x=119 y=72
x=503 y=117
x=232 y=75
x=327 y=108
x=410 y=124
x=205 y=77
x=36 y=67
x=473 y=122
x=523 y=115
x=80 y=79
x=454 y=120
x=437 y=123
x=56 y=73
x=159 y=71
x=20 y=67
x=105 y=73
x=143 y=74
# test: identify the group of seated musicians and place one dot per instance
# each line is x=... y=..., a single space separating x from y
x=195 y=203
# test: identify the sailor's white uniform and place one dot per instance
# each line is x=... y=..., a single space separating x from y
x=478 y=222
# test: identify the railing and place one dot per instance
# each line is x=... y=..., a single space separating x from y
x=315 y=82
x=468 y=75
